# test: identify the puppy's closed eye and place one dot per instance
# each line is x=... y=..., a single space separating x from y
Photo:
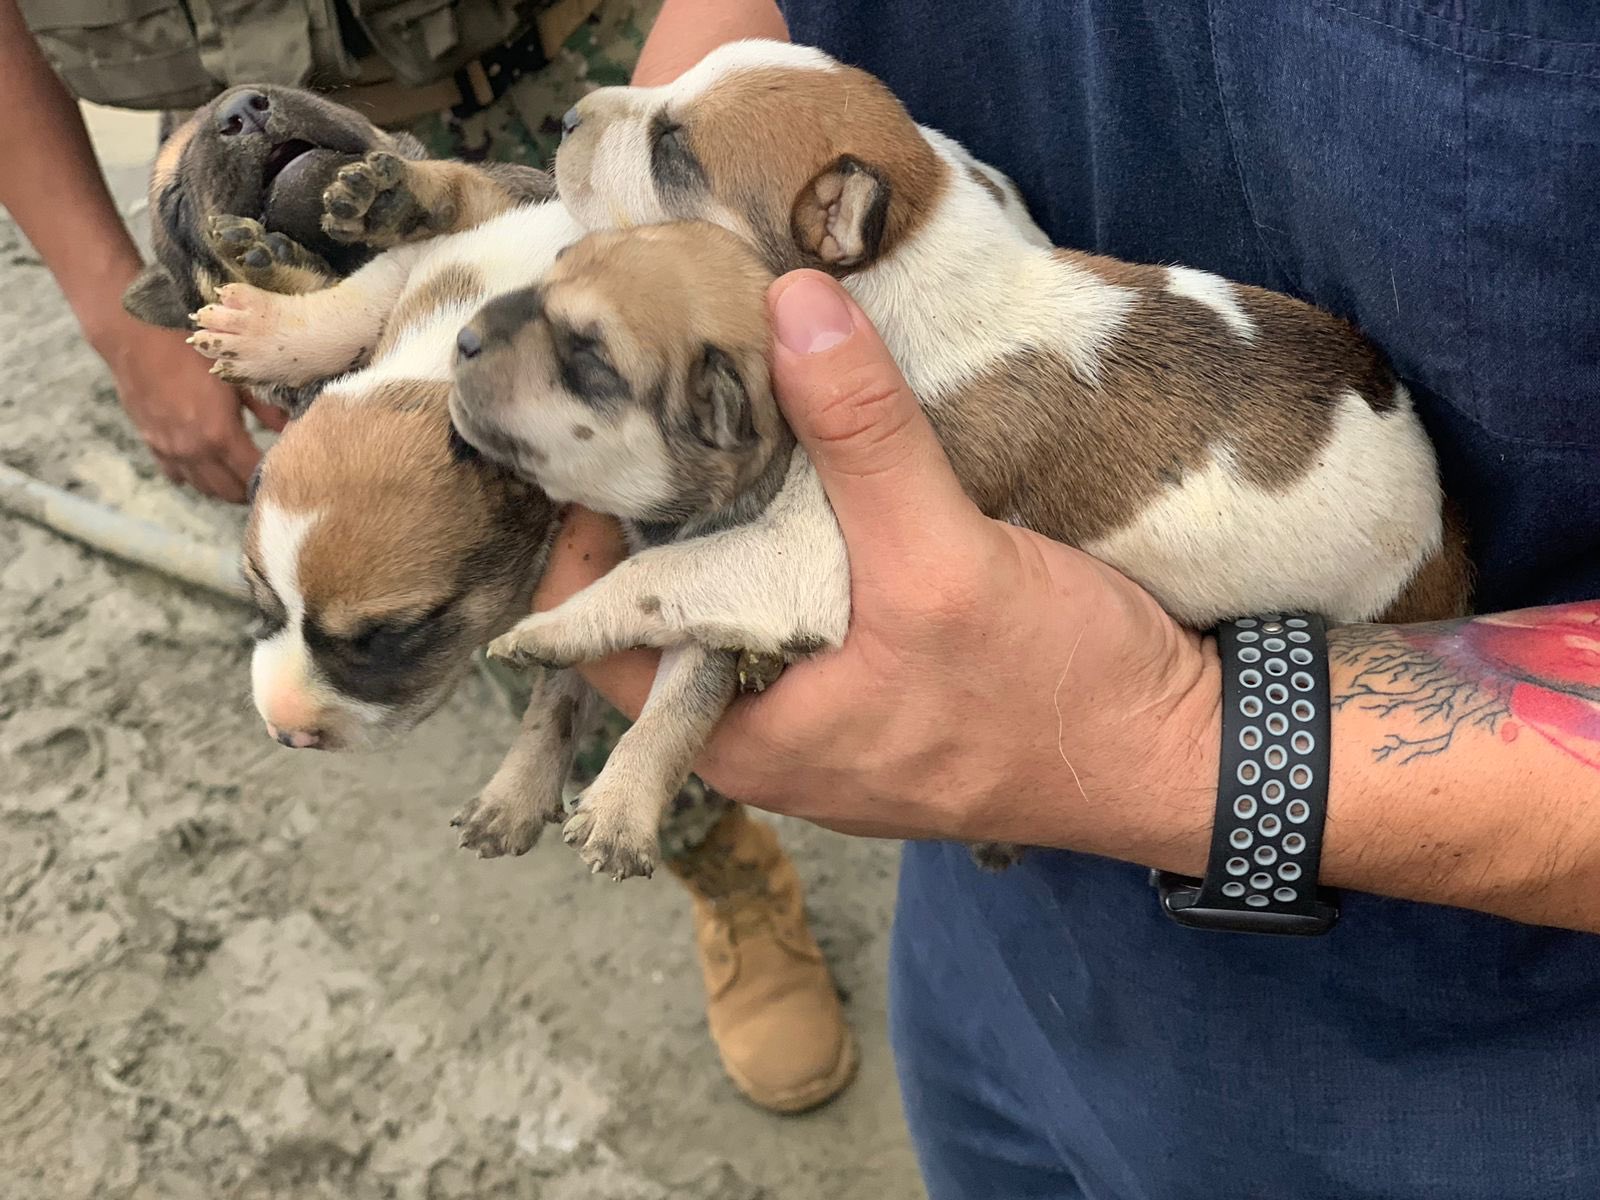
x=586 y=370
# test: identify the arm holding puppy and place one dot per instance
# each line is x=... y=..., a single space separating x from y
x=52 y=187
x=996 y=685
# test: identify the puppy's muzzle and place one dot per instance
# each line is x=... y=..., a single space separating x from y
x=245 y=112
x=296 y=739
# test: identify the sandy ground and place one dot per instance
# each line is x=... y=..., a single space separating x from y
x=232 y=971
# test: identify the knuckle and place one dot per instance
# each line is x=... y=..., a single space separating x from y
x=863 y=402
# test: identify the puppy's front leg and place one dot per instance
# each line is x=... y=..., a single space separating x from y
x=262 y=338
x=609 y=615
x=269 y=261
x=525 y=794
x=615 y=827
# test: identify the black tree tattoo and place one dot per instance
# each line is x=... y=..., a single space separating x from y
x=1409 y=673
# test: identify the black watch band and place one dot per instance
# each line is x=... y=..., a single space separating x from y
x=1272 y=793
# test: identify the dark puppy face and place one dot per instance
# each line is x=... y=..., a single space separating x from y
x=633 y=380
x=266 y=153
x=380 y=551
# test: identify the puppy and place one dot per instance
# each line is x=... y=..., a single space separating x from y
x=380 y=548
x=287 y=190
x=1231 y=449
x=633 y=380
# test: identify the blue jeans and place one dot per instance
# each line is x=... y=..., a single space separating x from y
x=1056 y=1036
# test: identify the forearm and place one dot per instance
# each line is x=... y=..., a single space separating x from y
x=1466 y=767
x=686 y=30
x=1468 y=763
x=53 y=188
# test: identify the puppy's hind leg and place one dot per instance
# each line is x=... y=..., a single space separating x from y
x=525 y=794
x=615 y=826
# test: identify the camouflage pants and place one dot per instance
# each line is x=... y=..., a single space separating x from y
x=524 y=125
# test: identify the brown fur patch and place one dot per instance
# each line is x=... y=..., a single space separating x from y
x=824 y=116
x=455 y=283
x=402 y=524
x=1172 y=383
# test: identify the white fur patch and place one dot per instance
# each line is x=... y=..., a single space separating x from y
x=966 y=291
x=751 y=54
x=510 y=251
x=622 y=468
x=1015 y=209
x=1215 y=293
x=281 y=666
x=1343 y=540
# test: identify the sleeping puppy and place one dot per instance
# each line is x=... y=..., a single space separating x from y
x=633 y=380
x=1231 y=449
x=381 y=549
x=287 y=190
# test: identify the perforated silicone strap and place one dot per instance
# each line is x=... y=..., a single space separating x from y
x=1266 y=837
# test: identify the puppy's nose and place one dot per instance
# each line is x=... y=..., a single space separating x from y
x=570 y=120
x=245 y=112
x=295 y=739
x=469 y=343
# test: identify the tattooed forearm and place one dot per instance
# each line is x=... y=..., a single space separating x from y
x=1426 y=685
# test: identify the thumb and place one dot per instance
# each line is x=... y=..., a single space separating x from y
x=872 y=445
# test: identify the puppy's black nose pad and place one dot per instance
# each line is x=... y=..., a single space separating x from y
x=570 y=121
x=469 y=343
x=245 y=112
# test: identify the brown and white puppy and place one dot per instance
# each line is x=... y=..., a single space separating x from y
x=380 y=548
x=1232 y=449
x=286 y=190
x=633 y=380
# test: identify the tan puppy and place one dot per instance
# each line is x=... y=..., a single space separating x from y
x=1231 y=449
x=633 y=380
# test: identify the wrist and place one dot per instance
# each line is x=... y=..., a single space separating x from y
x=95 y=294
x=1179 y=796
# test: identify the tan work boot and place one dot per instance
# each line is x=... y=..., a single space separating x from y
x=771 y=1002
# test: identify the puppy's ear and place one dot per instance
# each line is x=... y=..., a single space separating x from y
x=839 y=217
x=154 y=297
x=719 y=404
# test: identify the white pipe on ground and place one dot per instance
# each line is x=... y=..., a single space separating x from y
x=140 y=542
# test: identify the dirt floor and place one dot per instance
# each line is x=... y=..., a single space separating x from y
x=233 y=971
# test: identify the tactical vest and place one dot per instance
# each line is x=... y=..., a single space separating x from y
x=172 y=54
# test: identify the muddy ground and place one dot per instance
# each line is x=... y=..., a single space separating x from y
x=232 y=971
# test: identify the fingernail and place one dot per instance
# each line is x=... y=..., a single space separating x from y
x=810 y=316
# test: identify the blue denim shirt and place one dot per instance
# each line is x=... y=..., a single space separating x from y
x=1431 y=170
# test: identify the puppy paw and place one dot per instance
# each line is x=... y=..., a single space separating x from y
x=269 y=261
x=240 y=332
x=370 y=203
x=530 y=644
x=996 y=856
x=505 y=820
x=758 y=670
x=614 y=834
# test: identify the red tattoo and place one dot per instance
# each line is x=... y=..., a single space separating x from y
x=1538 y=669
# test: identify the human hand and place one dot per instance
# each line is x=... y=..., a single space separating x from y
x=191 y=420
x=995 y=685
